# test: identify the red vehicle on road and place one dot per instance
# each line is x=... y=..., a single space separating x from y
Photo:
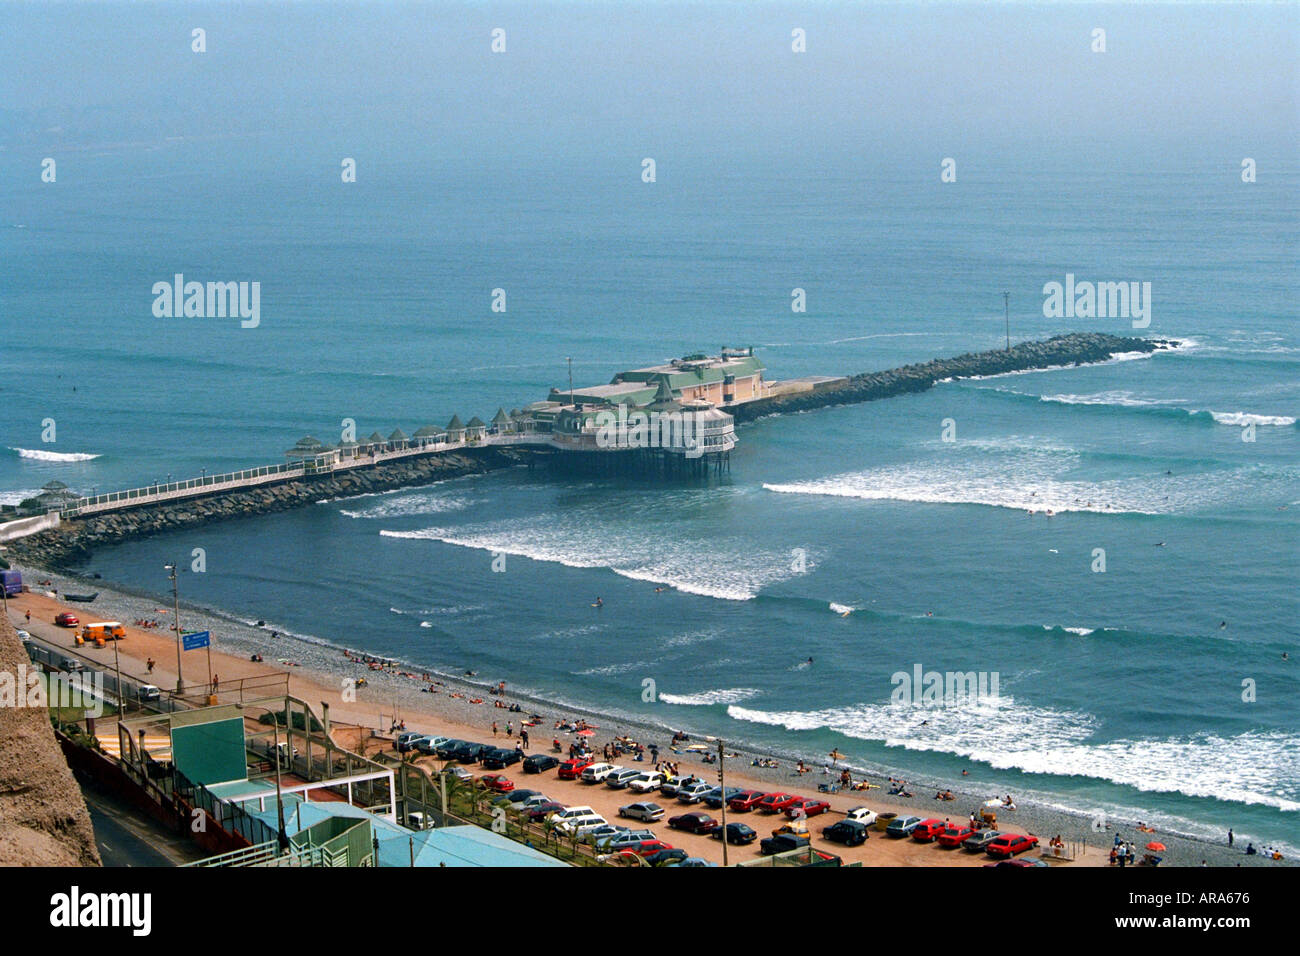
x=776 y=802
x=572 y=768
x=955 y=836
x=745 y=800
x=1009 y=844
x=497 y=782
x=66 y=619
x=806 y=806
x=927 y=830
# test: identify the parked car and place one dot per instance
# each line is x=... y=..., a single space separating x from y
x=979 y=841
x=24 y=636
x=523 y=797
x=745 y=800
x=693 y=792
x=496 y=782
x=498 y=758
x=847 y=832
x=782 y=843
x=66 y=619
x=647 y=781
x=864 y=815
x=1020 y=862
x=461 y=774
x=902 y=826
x=470 y=752
x=597 y=832
x=447 y=748
x=1009 y=844
x=573 y=820
x=775 y=802
x=666 y=857
x=672 y=784
x=620 y=778
x=806 y=806
x=539 y=763
x=927 y=830
x=692 y=861
x=543 y=810
x=648 y=812
x=649 y=847
x=715 y=798
x=955 y=835
x=597 y=772
x=429 y=744
x=623 y=840
x=407 y=740
x=572 y=768
x=738 y=834
x=696 y=822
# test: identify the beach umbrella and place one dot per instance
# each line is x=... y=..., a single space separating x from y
x=586 y=733
x=1156 y=847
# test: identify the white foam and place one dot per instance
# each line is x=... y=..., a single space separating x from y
x=708 y=566
x=40 y=454
x=1121 y=398
x=408 y=505
x=707 y=698
x=1252 y=767
x=1247 y=418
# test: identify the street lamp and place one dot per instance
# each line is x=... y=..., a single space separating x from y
x=176 y=623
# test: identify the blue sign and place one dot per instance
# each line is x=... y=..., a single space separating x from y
x=192 y=642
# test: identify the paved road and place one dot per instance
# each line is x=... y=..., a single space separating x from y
x=126 y=837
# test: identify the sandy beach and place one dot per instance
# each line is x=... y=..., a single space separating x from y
x=464 y=708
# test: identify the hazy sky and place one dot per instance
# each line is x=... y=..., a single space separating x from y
x=614 y=77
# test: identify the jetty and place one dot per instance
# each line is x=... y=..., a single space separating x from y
x=672 y=420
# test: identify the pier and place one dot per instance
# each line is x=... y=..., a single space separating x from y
x=662 y=423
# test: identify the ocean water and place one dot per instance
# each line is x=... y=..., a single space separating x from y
x=1119 y=691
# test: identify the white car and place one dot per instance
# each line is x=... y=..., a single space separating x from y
x=598 y=772
x=864 y=815
x=646 y=782
x=620 y=777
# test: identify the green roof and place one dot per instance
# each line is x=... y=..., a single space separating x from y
x=398 y=435
x=428 y=431
x=500 y=417
x=375 y=438
x=476 y=422
x=455 y=425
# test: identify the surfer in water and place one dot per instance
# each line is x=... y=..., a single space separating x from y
x=599 y=603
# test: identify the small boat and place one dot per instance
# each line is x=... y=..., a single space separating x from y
x=82 y=598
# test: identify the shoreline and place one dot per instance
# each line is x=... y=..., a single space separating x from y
x=319 y=667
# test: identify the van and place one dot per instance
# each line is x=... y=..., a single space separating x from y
x=104 y=630
x=619 y=778
x=148 y=692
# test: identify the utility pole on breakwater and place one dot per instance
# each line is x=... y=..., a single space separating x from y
x=1006 y=304
x=569 y=359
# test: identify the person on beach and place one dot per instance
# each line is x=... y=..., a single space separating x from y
x=216 y=682
x=149 y=662
x=494 y=728
x=510 y=728
x=29 y=620
x=1229 y=836
x=523 y=738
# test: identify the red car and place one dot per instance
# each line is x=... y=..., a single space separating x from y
x=955 y=836
x=647 y=847
x=1009 y=844
x=745 y=800
x=695 y=822
x=571 y=769
x=776 y=802
x=497 y=782
x=806 y=806
x=927 y=830
x=66 y=619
